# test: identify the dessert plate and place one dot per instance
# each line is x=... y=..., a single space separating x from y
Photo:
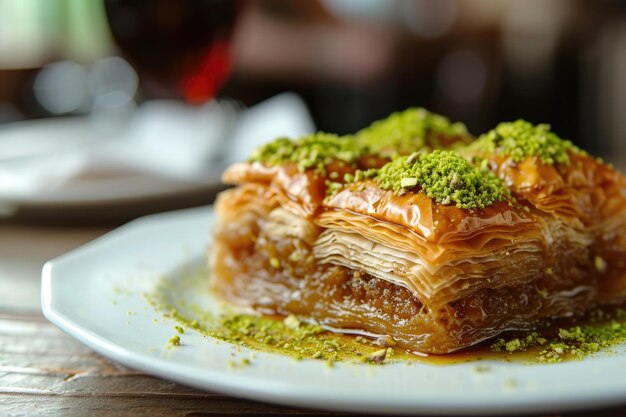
x=100 y=294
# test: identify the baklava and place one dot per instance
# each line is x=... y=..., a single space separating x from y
x=413 y=229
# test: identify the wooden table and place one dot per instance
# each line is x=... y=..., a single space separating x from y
x=45 y=372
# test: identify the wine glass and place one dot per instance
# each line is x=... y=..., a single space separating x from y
x=180 y=49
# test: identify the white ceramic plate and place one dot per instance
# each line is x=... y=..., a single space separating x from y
x=94 y=293
x=76 y=162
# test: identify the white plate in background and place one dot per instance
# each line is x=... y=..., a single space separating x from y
x=162 y=150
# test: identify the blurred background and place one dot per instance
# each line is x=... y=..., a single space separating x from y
x=187 y=83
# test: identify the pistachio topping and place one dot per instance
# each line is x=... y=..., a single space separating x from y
x=443 y=176
x=311 y=151
x=408 y=131
x=521 y=139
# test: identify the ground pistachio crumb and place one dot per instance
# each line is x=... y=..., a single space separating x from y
x=408 y=131
x=481 y=369
x=311 y=151
x=179 y=329
x=333 y=187
x=509 y=383
x=600 y=264
x=444 y=176
x=521 y=139
x=291 y=322
x=408 y=182
x=174 y=341
x=275 y=263
x=378 y=357
x=361 y=175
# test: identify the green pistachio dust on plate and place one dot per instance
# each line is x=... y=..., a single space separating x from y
x=604 y=331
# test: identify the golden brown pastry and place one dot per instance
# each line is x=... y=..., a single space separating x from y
x=440 y=244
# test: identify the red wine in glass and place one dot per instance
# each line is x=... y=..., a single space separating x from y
x=181 y=46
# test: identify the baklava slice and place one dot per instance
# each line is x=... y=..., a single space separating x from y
x=440 y=249
x=580 y=200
